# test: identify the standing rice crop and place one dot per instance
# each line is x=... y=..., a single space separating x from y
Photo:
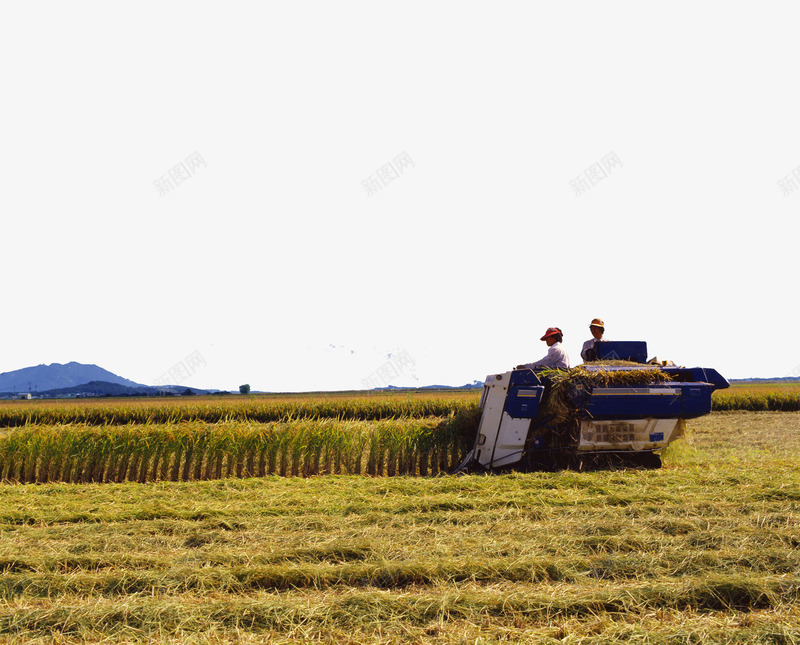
x=81 y=453
x=263 y=409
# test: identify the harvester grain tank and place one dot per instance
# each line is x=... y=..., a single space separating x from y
x=619 y=409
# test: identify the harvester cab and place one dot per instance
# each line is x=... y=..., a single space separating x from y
x=616 y=410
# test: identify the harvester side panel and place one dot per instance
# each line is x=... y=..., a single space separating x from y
x=493 y=401
x=510 y=441
x=621 y=350
x=523 y=402
x=672 y=400
x=630 y=434
x=501 y=437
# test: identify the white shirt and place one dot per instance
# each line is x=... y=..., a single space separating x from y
x=555 y=358
x=589 y=344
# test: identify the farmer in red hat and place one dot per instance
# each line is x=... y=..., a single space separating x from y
x=556 y=357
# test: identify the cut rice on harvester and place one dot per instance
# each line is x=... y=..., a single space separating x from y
x=562 y=388
x=621 y=407
x=563 y=407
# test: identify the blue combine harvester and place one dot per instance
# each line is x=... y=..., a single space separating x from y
x=624 y=425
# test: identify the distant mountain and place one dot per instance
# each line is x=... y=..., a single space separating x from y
x=97 y=388
x=103 y=388
x=54 y=376
x=468 y=386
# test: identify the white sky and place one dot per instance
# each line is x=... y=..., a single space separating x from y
x=274 y=265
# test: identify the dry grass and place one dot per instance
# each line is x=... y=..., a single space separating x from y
x=705 y=550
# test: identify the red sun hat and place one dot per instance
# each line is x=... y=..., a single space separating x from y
x=551 y=331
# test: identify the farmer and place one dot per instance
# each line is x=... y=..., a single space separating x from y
x=597 y=327
x=556 y=357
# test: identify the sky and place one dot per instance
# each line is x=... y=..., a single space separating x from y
x=313 y=195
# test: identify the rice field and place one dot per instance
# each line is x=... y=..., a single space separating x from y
x=758 y=397
x=187 y=451
x=214 y=409
x=201 y=438
x=704 y=550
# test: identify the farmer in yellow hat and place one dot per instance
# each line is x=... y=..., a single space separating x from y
x=556 y=357
x=597 y=327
